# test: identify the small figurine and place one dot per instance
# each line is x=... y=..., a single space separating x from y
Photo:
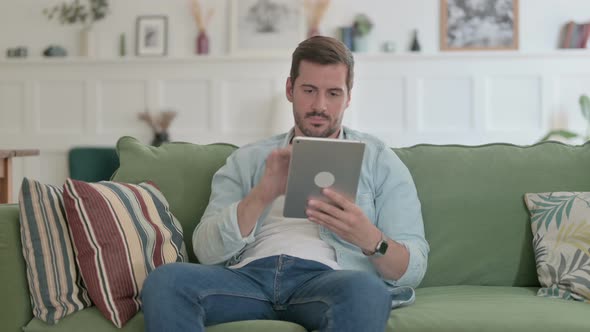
x=55 y=51
x=17 y=52
x=388 y=46
x=415 y=47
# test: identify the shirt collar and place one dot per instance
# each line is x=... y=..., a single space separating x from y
x=291 y=134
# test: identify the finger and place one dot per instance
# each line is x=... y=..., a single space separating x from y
x=273 y=155
x=327 y=208
x=339 y=199
x=285 y=152
x=328 y=221
x=278 y=157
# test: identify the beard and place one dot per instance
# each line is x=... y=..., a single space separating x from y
x=317 y=131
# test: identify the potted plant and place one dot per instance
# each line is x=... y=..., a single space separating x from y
x=86 y=14
x=564 y=134
x=160 y=123
x=361 y=28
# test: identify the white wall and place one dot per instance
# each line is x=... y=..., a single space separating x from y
x=468 y=98
x=403 y=99
x=22 y=23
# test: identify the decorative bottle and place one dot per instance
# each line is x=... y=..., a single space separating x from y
x=415 y=47
x=202 y=43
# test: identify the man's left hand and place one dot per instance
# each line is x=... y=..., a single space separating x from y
x=344 y=218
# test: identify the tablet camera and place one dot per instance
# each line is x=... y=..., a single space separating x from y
x=324 y=179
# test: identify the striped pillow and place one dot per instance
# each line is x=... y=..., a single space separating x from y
x=121 y=232
x=55 y=284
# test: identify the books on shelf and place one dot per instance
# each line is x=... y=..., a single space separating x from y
x=575 y=35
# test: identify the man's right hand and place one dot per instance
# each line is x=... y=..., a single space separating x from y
x=274 y=180
x=272 y=185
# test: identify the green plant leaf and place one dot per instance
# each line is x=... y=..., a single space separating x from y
x=561 y=133
x=562 y=266
x=540 y=251
x=76 y=12
x=576 y=235
x=550 y=206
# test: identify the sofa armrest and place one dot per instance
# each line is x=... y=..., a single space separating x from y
x=15 y=306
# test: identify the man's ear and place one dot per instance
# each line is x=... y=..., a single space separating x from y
x=289 y=89
x=348 y=99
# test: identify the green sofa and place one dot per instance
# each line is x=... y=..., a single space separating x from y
x=481 y=274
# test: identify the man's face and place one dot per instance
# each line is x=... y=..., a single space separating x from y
x=319 y=96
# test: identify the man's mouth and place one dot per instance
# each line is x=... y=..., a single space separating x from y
x=317 y=118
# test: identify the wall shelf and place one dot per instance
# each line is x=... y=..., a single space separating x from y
x=396 y=56
x=403 y=98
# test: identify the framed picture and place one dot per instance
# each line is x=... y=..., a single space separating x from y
x=266 y=26
x=479 y=25
x=152 y=36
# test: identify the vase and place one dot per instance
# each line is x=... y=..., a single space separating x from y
x=202 y=43
x=360 y=44
x=160 y=138
x=346 y=36
x=88 y=42
x=122 y=45
x=415 y=46
x=312 y=32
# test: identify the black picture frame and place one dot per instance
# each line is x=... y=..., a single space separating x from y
x=151 y=36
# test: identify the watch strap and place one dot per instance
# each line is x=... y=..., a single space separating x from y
x=380 y=248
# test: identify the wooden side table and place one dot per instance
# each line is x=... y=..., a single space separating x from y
x=6 y=171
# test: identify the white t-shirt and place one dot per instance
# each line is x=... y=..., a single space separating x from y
x=297 y=237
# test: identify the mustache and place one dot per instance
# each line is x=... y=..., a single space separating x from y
x=315 y=113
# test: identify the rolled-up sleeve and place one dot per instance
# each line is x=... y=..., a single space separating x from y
x=399 y=214
x=217 y=237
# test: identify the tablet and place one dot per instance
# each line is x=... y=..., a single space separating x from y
x=318 y=163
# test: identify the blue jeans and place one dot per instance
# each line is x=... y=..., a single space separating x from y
x=188 y=297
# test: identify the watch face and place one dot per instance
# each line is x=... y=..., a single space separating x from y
x=382 y=247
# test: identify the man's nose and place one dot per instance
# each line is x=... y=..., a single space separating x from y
x=319 y=103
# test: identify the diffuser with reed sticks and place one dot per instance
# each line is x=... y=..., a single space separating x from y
x=315 y=9
x=202 y=41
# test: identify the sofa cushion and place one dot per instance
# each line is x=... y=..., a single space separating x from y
x=55 y=285
x=440 y=309
x=90 y=320
x=560 y=223
x=487 y=308
x=121 y=233
x=182 y=171
x=475 y=219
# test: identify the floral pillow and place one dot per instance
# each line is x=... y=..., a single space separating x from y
x=560 y=222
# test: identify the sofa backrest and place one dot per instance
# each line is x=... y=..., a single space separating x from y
x=475 y=218
x=182 y=171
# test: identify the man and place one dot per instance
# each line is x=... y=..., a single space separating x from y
x=341 y=269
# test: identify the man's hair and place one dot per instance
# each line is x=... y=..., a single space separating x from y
x=324 y=51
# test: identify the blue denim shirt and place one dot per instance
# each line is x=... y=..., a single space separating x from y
x=386 y=194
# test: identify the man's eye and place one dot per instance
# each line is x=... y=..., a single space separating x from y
x=334 y=94
x=308 y=90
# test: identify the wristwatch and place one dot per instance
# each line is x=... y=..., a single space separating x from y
x=380 y=249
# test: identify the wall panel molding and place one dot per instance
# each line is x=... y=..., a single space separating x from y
x=12 y=106
x=462 y=98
